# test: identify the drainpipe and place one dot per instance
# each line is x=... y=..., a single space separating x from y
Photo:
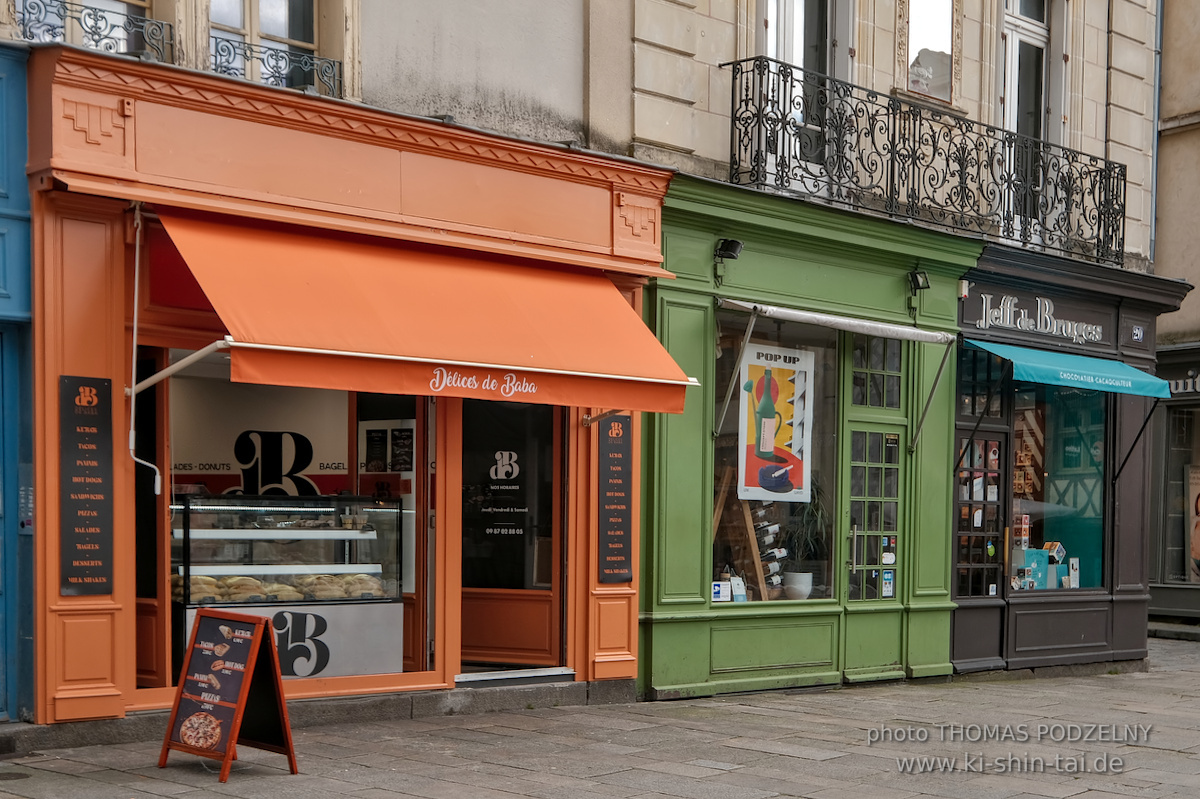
x=1158 y=45
x=1108 y=87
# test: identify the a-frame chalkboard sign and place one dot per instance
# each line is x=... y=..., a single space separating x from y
x=230 y=692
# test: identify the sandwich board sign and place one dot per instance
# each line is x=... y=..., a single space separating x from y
x=230 y=692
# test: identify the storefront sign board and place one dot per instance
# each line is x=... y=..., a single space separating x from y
x=85 y=504
x=230 y=693
x=615 y=493
x=775 y=428
x=1004 y=308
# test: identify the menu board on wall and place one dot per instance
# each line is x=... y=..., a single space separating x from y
x=86 y=471
x=230 y=693
x=615 y=493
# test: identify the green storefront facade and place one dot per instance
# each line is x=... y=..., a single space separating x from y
x=816 y=443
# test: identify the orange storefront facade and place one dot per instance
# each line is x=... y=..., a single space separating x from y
x=376 y=378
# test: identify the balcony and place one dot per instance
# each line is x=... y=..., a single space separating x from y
x=807 y=135
x=96 y=27
x=277 y=65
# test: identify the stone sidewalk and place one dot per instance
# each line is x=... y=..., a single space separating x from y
x=1104 y=736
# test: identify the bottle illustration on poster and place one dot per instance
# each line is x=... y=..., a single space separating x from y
x=775 y=432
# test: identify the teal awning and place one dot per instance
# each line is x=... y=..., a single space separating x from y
x=1077 y=371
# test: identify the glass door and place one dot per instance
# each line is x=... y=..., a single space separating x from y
x=981 y=541
x=511 y=535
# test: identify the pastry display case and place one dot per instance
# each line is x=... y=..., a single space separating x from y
x=247 y=550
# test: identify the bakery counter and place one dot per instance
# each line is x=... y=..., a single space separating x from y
x=271 y=550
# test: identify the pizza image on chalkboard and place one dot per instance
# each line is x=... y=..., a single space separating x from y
x=201 y=730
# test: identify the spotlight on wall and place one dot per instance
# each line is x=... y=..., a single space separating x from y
x=918 y=280
x=728 y=248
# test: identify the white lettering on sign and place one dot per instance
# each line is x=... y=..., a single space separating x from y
x=1186 y=385
x=1007 y=315
x=512 y=385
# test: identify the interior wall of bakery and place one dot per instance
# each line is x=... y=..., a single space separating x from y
x=16 y=518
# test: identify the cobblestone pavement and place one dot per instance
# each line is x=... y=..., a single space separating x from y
x=1091 y=737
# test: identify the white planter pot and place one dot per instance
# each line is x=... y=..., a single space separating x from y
x=797 y=585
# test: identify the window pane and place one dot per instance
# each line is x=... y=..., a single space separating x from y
x=1029 y=90
x=858 y=446
x=1034 y=9
x=930 y=32
x=893 y=355
x=288 y=19
x=228 y=12
x=876 y=398
x=892 y=396
x=877 y=352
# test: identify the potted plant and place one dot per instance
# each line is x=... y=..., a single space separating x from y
x=806 y=536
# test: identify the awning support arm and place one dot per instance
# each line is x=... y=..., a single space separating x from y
x=1136 y=439
x=929 y=400
x=137 y=266
x=737 y=365
x=182 y=363
x=589 y=420
x=987 y=403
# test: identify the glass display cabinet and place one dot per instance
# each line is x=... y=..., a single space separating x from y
x=235 y=550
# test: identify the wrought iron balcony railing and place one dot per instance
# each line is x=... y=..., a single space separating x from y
x=95 y=27
x=802 y=133
x=277 y=66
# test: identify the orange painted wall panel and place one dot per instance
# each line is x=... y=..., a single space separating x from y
x=506 y=201
x=264 y=161
x=87 y=648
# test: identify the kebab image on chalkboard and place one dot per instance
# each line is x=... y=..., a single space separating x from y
x=230 y=692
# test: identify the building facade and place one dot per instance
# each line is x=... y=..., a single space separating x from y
x=1175 y=553
x=843 y=171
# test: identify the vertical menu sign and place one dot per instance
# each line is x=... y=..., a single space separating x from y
x=615 y=495
x=86 y=505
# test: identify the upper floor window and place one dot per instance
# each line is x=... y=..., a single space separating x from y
x=795 y=31
x=930 y=50
x=1026 y=44
x=270 y=41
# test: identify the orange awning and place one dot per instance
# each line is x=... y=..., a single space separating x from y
x=359 y=315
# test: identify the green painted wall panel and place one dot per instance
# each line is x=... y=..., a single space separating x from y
x=682 y=497
x=874 y=640
x=782 y=644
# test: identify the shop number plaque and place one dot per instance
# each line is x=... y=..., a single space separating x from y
x=615 y=491
x=230 y=692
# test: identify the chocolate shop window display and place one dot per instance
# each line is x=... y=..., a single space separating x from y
x=774 y=461
x=1055 y=533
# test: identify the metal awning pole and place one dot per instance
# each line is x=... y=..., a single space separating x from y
x=1136 y=439
x=929 y=400
x=734 y=377
x=182 y=363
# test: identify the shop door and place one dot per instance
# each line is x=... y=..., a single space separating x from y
x=511 y=531
x=981 y=501
x=980 y=546
x=874 y=624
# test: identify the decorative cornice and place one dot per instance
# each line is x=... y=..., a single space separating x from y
x=242 y=99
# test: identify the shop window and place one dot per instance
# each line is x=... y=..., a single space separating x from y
x=775 y=462
x=877 y=367
x=1181 y=545
x=269 y=41
x=302 y=505
x=1058 y=487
